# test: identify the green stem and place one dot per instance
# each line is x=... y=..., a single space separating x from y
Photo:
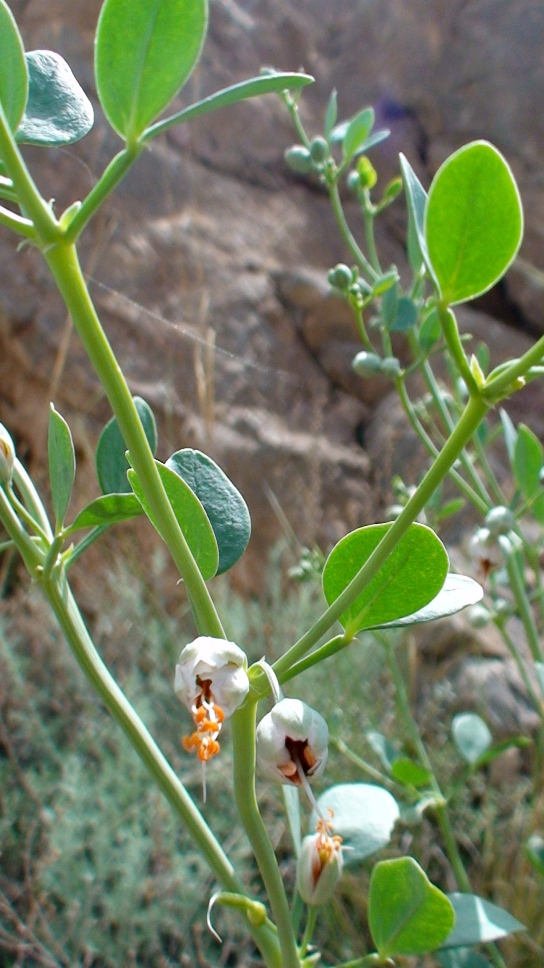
x=31 y=498
x=29 y=198
x=243 y=738
x=514 y=567
x=17 y=223
x=28 y=549
x=346 y=232
x=73 y=627
x=440 y=808
x=324 y=651
x=25 y=515
x=311 y=919
x=537 y=702
x=63 y=262
x=109 y=179
x=468 y=422
x=455 y=346
x=419 y=429
x=365 y=767
x=499 y=386
x=488 y=471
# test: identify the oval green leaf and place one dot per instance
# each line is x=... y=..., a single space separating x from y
x=190 y=515
x=409 y=579
x=409 y=773
x=478 y=921
x=62 y=464
x=145 y=51
x=357 y=132
x=226 y=509
x=407 y=914
x=106 y=510
x=473 y=222
x=528 y=461
x=471 y=736
x=13 y=72
x=57 y=112
x=363 y=815
x=457 y=592
x=111 y=463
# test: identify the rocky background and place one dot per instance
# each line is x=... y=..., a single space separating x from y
x=209 y=265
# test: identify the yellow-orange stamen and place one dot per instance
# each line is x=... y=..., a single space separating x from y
x=208 y=719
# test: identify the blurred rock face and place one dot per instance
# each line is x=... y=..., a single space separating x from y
x=208 y=265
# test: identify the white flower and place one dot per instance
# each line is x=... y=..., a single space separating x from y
x=485 y=550
x=292 y=737
x=212 y=667
x=319 y=865
x=7 y=456
x=211 y=680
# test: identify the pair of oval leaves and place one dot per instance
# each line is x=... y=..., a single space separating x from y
x=210 y=510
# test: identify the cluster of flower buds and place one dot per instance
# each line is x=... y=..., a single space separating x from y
x=292 y=743
x=211 y=681
x=370 y=364
x=7 y=457
x=319 y=864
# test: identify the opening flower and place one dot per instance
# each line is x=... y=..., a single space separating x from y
x=292 y=742
x=319 y=865
x=211 y=680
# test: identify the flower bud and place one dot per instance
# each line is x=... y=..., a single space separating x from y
x=299 y=160
x=479 y=616
x=499 y=520
x=7 y=456
x=367 y=364
x=319 y=150
x=341 y=277
x=367 y=172
x=391 y=367
x=291 y=738
x=319 y=866
x=212 y=681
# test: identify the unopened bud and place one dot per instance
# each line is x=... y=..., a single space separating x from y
x=292 y=739
x=319 y=866
x=366 y=172
x=391 y=367
x=479 y=616
x=319 y=150
x=7 y=457
x=367 y=364
x=341 y=277
x=499 y=520
x=299 y=160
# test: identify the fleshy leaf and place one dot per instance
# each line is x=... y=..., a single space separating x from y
x=357 y=132
x=190 y=515
x=226 y=509
x=457 y=592
x=253 y=87
x=57 y=112
x=363 y=815
x=473 y=222
x=106 y=510
x=145 y=51
x=407 y=914
x=111 y=463
x=471 y=736
x=478 y=921
x=409 y=773
x=13 y=72
x=416 y=199
x=62 y=464
x=409 y=579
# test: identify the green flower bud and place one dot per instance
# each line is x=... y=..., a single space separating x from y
x=7 y=457
x=479 y=616
x=319 y=866
x=393 y=189
x=366 y=172
x=353 y=182
x=499 y=520
x=367 y=364
x=298 y=159
x=391 y=367
x=341 y=277
x=319 y=150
